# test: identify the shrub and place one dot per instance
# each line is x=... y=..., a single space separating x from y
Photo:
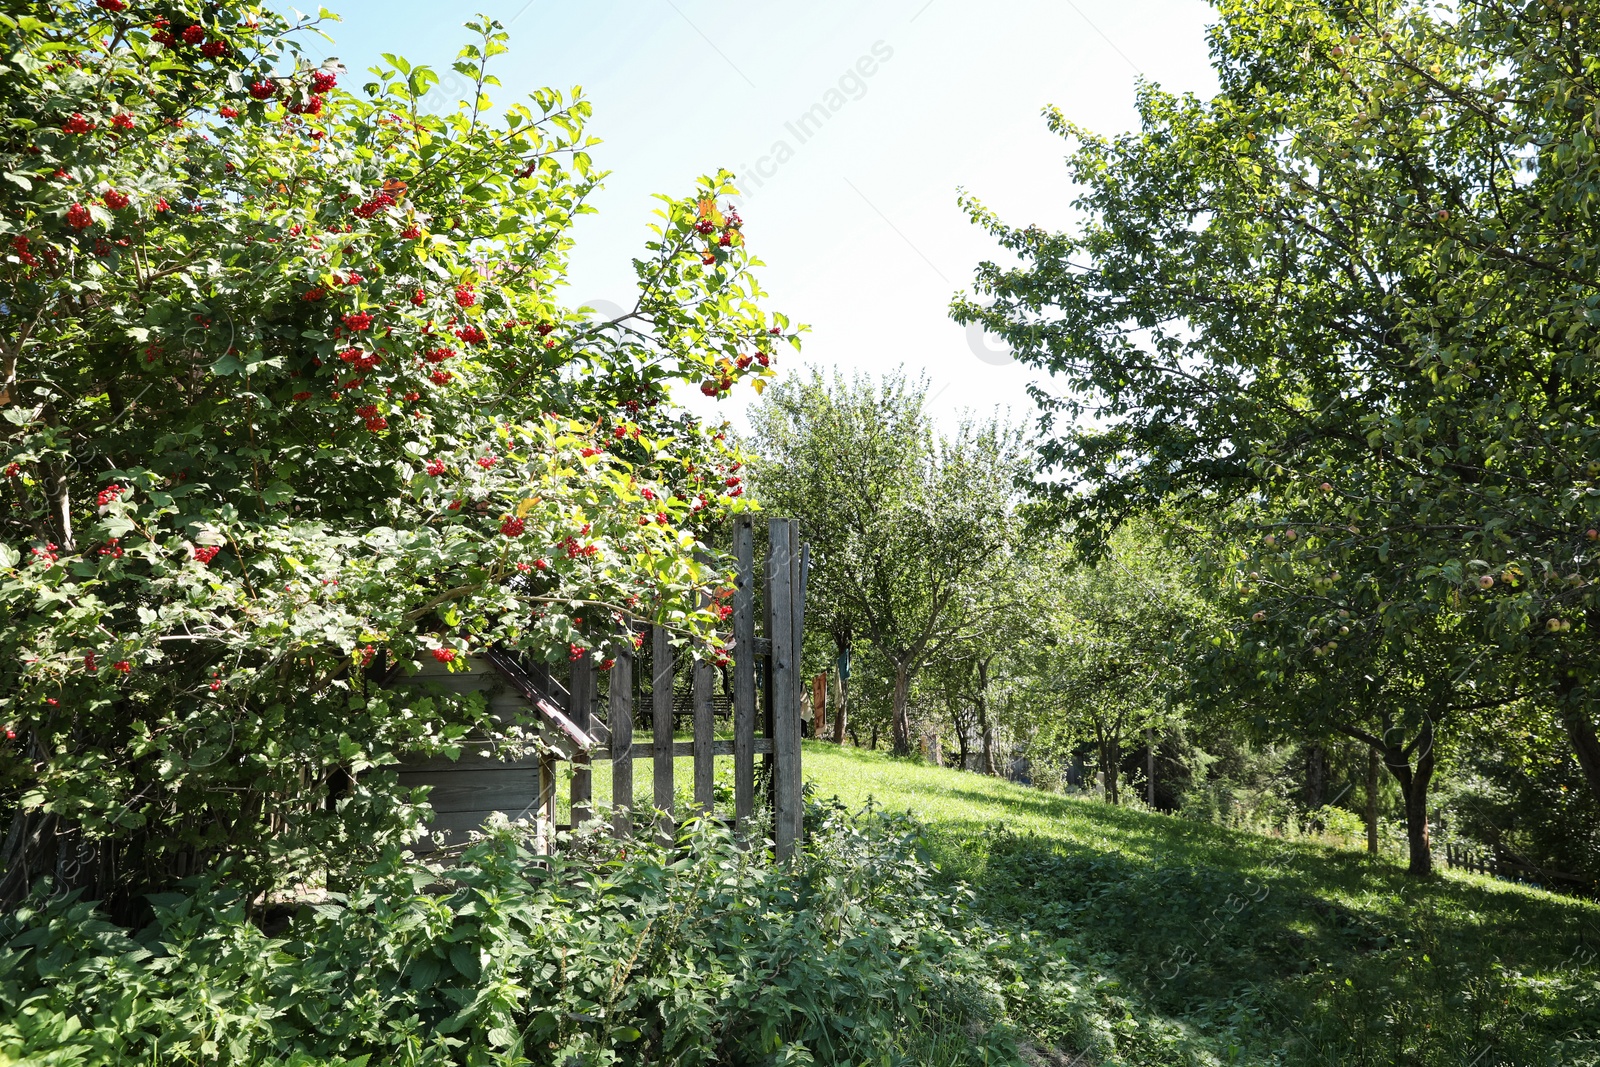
x=700 y=954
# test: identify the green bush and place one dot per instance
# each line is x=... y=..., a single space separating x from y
x=699 y=954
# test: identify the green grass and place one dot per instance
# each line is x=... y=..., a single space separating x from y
x=1265 y=950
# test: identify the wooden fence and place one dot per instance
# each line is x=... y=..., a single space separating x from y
x=767 y=694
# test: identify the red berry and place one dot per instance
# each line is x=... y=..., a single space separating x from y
x=116 y=201
x=444 y=655
x=513 y=527
x=214 y=49
x=112 y=6
x=194 y=34
x=323 y=80
x=77 y=124
x=465 y=296
x=122 y=120
x=228 y=112
x=265 y=89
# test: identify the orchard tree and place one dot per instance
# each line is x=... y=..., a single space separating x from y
x=1108 y=644
x=289 y=402
x=909 y=528
x=1357 y=288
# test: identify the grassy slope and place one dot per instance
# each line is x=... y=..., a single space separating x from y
x=1277 y=952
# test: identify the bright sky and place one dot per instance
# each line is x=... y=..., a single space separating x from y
x=857 y=222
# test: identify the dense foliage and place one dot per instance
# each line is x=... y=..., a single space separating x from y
x=706 y=954
x=1348 y=303
x=288 y=402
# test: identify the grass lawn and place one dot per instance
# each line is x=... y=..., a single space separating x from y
x=1256 y=949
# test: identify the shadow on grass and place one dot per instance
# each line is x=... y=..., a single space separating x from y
x=1292 y=950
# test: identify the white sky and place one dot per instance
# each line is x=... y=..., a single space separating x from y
x=859 y=229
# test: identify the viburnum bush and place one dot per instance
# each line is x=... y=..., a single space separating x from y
x=288 y=396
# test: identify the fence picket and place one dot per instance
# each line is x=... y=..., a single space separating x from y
x=662 y=675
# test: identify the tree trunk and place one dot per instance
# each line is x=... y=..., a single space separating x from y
x=1150 y=766
x=961 y=742
x=874 y=745
x=1316 y=791
x=1414 y=791
x=986 y=734
x=1372 y=801
x=1585 y=745
x=841 y=712
x=900 y=726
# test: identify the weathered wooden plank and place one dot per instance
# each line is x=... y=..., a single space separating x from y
x=471 y=759
x=581 y=713
x=620 y=718
x=705 y=727
x=663 y=661
x=744 y=670
x=513 y=791
x=781 y=587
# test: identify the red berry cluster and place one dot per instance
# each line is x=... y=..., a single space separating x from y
x=357 y=321
x=311 y=105
x=108 y=494
x=360 y=359
x=116 y=201
x=122 y=666
x=465 y=296
x=112 y=6
x=323 y=80
x=488 y=462
x=77 y=124
x=79 y=218
x=122 y=120
x=575 y=652
x=265 y=89
x=19 y=245
x=513 y=527
x=369 y=208
x=436 y=467
x=206 y=553
x=13 y=469
x=48 y=554
x=438 y=355
x=193 y=34
x=441 y=377
x=445 y=655
x=411 y=233
x=471 y=335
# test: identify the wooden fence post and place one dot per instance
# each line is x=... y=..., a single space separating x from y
x=705 y=729
x=662 y=674
x=620 y=719
x=782 y=577
x=744 y=672
x=545 y=823
x=582 y=715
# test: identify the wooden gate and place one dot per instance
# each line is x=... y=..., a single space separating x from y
x=765 y=703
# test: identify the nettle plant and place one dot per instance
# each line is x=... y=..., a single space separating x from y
x=287 y=395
